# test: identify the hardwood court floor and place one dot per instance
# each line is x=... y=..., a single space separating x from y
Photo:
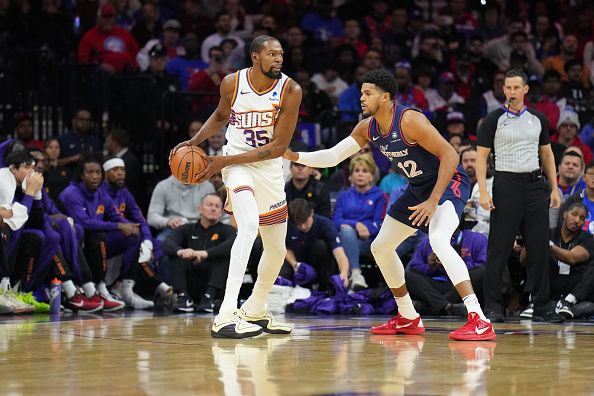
x=131 y=354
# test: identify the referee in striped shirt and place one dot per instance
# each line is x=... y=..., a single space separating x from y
x=517 y=136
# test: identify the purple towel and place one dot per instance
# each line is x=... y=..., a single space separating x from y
x=283 y=281
x=305 y=274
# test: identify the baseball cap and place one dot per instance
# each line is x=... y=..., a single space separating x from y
x=157 y=51
x=454 y=116
x=107 y=10
x=569 y=117
x=172 y=24
x=447 y=77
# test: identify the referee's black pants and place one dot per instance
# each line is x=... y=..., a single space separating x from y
x=521 y=203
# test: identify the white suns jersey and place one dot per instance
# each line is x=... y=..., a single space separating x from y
x=253 y=114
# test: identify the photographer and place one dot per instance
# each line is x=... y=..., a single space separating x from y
x=208 y=80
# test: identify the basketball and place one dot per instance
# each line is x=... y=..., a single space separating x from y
x=187 y=162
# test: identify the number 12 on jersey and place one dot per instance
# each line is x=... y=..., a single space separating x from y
x=256 y=138
x=409 y=167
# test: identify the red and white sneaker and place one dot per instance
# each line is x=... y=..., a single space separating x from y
x=399 y=324
x=80 y=303
x=475 y=329
x=110 y=304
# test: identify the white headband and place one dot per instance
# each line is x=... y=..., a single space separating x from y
x=113 y=163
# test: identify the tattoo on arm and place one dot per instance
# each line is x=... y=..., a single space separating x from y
x=264 y=154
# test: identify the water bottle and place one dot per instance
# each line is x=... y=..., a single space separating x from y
x=55 y=296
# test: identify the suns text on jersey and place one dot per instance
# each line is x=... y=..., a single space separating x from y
x=253 y=119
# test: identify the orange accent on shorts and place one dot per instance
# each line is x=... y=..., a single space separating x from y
x=103 y=249
x=243 y=188
x=147 y=270
x=59 y=265
x=30 y=268
x=275 y=216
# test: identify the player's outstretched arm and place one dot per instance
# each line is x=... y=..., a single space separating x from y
x=417 y=129
x=334 y=155
x=218 y=119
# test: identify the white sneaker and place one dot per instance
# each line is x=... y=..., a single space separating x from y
x=266 y=322
x=358 y=281
x=231 y=325
x=528 y=312
x=18 y=306
x=125 y=292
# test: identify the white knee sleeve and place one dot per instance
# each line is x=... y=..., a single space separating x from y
x=443 y=224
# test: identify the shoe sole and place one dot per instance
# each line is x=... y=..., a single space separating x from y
x=80 y=311
x=114 y=309
x=185 y=310
x=229 y=332
x=383 y=332
x=542 y=319
x=474 y=337
x=266 y=329
x=566 y=314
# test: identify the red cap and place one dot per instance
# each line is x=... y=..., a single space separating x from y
x=107 y=10
x=56 y=281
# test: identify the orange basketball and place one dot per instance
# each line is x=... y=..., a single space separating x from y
x=187 y=162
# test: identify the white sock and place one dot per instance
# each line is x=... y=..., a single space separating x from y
x=5 y=283
x=273 y=239
x=89 y=289
x=406 y=308
x=163 y=288
x=69 y=289
x=570 y=298
x=245 y=210
x=102 y=288
x=472 y=305
x=128 y=284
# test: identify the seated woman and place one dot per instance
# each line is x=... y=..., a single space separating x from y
x=358 y=214
x=57 y=177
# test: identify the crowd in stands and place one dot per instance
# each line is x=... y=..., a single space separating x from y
x=81 y=209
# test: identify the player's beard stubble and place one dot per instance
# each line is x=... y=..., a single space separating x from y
x=271 y=74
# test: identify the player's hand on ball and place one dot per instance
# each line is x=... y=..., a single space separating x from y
x=291 y=155
x=215 y=164
x=423 y=212
x=180 y=145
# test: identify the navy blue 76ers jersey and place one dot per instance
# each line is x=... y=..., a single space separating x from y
x=412 y=161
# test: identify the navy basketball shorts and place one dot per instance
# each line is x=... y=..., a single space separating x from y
x=458 y=192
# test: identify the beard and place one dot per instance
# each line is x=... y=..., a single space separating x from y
x=271 y=74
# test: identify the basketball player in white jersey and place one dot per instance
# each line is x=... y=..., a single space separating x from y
x=260 y=105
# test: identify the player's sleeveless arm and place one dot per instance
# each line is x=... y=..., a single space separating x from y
x=330 y=157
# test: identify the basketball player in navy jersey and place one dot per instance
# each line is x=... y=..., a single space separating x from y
x=260 y=104
x=433 y=202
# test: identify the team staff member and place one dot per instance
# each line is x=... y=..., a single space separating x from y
x=518 y=136
x=202 y=247
x=313 y=239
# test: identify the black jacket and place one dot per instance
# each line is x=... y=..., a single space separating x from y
x=216 y=240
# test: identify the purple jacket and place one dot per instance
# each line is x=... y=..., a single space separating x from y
x=94 y=211
x=472 y=246
x=353 y=207
x=126 y=204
